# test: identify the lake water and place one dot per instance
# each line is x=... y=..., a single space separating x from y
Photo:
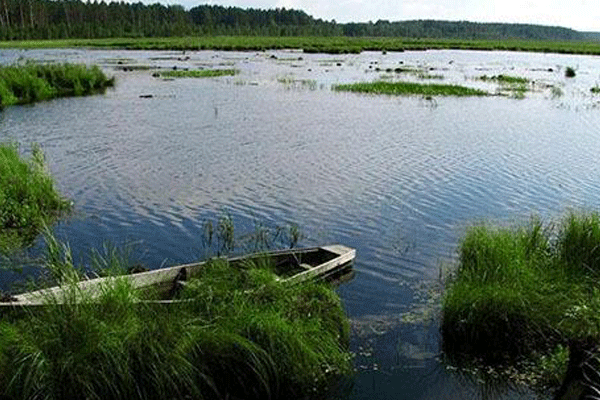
x=397 y=178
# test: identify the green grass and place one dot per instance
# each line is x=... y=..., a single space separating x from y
x=513 y=86
x=408 y=89
x=205 y=73
x=505 y=79
x=332 y=45
x=28 y=197
x=238 y=333
x=520 y=293
x=29 y=83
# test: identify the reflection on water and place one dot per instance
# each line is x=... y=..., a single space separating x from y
x=399 y=179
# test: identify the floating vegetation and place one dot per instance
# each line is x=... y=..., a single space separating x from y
x=237 y=332
x=408 y=89
x=203 y=73
x=505 y=79
x=521 y=295
x=570 y=72
x=595 y=90
x=29 y=83
x=28 y=197
x=292 y=83
x=514 y=86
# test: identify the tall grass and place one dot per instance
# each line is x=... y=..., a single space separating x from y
x=518 y=293
x=28 y=196
x=29 y=83
x=237 y=333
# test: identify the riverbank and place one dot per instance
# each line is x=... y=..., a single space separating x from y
x=520 y=295
x=332 y=45
x=238 y=332
x=29 y=199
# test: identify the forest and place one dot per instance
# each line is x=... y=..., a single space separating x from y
x=71 y=19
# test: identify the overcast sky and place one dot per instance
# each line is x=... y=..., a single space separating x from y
x=583 y=15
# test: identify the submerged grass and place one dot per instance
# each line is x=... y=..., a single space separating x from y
x=28 y=197
x=520 y=294
x=408 y=88
x=237 y=333
x=205 y=73
x=29 y=83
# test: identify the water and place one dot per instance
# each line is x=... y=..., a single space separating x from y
x=399 y=179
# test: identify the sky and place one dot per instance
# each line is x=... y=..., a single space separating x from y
x=582 y=15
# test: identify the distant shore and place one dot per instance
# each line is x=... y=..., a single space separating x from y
x=312 y=44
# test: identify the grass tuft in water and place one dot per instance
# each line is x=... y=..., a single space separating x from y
x=28 y=197
x=520 y=293
x=237 y=333
x=570 y=72
x=29 y=83
x=408 y=89
x=205 y=73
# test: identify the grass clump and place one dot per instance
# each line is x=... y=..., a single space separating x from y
x=570 y=72
x=514 y=86
x=28 y=197
x=595 y=90
x=408 y=89
x=237 y=332
x=29 y=83
x=520 y=294
x=204 y=73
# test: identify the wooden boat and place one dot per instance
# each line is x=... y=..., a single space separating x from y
x=292 y=266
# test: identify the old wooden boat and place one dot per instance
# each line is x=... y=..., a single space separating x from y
x=291 y=266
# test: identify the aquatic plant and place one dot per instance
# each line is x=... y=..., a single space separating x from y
x=237 y=333
x=506 y=79
x=513 y=86
x=595 y=90
x=31 y=82
x=519 y=293
x=408 y=88
x=29 y=199
x=570 y=72
x=203 y=73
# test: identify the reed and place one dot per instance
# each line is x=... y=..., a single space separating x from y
x=28 y=197
x=29 y=83
x=520 y=293
x=409 y=89
x=238 y=333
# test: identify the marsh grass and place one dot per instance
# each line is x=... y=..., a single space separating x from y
x=29 y=83
x=28 y=197
x=313 y=44
x=520 y=293
x=514 y=86
x=409 y=89
x=238 y=333
x=204 y=73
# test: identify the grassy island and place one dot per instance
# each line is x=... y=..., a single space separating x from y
x=524 y=294
x=236 y=333
x=28 y=197
x=202 y=73
x=29 y=83
x=408 y=89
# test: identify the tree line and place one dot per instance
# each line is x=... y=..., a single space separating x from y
x=66 y=19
